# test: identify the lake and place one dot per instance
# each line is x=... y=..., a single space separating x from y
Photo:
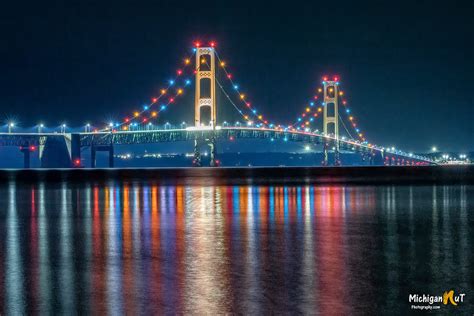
x=204 y=247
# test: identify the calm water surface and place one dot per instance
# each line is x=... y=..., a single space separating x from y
x=144 y=247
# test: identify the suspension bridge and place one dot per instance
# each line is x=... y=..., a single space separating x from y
x=328 y=106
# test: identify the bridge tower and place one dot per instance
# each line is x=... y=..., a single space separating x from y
x=331 y=119
x=205 y=97
x=205 y=71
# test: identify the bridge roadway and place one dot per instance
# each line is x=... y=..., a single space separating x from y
x=106 y=139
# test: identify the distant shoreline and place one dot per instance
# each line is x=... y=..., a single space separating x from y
x=458 y=174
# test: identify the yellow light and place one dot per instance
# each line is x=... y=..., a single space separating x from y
x=341 y=93
x=307 y=123
x=308 y=109
x=351 y=118
x=242 y=96
x=360 y=135
x=222 y=64
x=259 y=117
x=246 y=117
x=125 y=128
x=331 y=89
x=136 y=114
x=319 y=109
x=187 y=61
x=163 y=91
x=320 y=90
x=154 y=114
x=203 y=61
x=180 y=91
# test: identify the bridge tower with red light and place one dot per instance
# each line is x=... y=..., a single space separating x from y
x=331 y=118
x=205 y=85
x=205 y=97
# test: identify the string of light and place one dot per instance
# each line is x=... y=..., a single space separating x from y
x=148 y=108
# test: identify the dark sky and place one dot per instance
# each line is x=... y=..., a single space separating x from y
x=407 y=69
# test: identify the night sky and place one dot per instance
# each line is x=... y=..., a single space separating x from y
x=407 y=70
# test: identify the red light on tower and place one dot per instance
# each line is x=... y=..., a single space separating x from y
x=32 y=148
x=197 y=44
x=179 y=72
x=154 y=100
x=325 y=78
x=336 y=78
x=77 y=162
x=212 y=44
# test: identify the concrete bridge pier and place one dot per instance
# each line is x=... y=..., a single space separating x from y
x=197 y=154
x=211 y=142
x=26 y=156
x=108 y=148
x=325 y=161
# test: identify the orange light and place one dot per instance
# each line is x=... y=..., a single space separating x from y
x=259 y=117
x=125 y=128
x=163 y=91
x=341 y=93
x=136 y=114
x=320 y=90
x=180 y=91
x=308 y=109
x=319 y=109
x=331 y=89
x=187 y=61
x=222 y=64
x=154 y=114
x=242 y=96
x=203 y=61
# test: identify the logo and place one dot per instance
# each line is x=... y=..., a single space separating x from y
x=430 y=302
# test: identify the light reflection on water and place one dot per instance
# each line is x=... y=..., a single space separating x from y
x=141 y=248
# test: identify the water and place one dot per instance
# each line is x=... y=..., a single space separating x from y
x=145 y=247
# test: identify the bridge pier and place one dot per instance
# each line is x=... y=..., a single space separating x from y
x=26 y=156
x=337 y=157
x=197 y=154
x=325 y=154
x=95 y=149
x=76 y=150
x=212 y=144
x=197 y=160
